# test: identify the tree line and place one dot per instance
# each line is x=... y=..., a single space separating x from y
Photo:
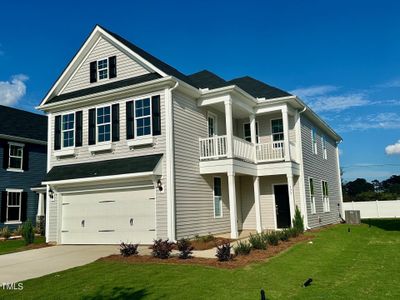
x=362 y=190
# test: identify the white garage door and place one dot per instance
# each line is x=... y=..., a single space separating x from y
x=108 y=217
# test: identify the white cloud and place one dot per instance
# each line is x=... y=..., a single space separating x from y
x=337 y=103
x=388 y=120
x=393 y=149
x=13 y=90
x=395 y=83
x=313 y=91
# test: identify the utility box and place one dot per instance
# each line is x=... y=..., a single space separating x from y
x=352 y=216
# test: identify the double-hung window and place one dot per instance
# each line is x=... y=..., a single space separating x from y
x=312 y=195
x=325 y=194
x=324 y=150
x=68 y=129
x=103 y=124
x=277 y=133
x=217 y=197
x=102 y=68
x=314 y=141
x=143 y=117
x=16 y=152
x=247 y=132
x=211 y=124
x=13 y=212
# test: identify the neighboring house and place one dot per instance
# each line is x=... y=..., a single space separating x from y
x=23 y=152
x=138 y=150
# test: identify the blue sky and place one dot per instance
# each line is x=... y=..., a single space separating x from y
x=341 y=57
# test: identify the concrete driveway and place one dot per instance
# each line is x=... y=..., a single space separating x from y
x=24 y=265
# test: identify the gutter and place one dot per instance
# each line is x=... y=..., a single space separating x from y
x=22 y=139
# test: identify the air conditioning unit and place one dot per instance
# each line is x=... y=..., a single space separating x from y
x=352 y=216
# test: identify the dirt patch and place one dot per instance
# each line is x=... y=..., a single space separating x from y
x=204 y=245
x=237 y=262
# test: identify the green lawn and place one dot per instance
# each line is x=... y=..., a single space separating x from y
x=361 y=264
x=10 y=246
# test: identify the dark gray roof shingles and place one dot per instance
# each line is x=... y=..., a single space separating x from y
x=258 y=88
x=104 y=168
x=207 y=79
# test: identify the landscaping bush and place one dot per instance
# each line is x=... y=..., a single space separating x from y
x=284 y=235
x=28 y=232
x=242 y=248
x=185 y=248
x=293 y=232
x=128 y=249
x=224 y=252
x=298 y=221
x=18 y=230
x=258 y=241
x=5 y=232
x=205 y=239
x=273 y=238
x=162 y=249
x=40 y=225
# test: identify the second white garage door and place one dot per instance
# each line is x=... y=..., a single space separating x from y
x=108 y=217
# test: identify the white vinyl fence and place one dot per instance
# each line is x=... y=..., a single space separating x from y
x=375 y=209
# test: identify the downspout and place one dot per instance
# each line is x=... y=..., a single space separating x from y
x=170 y=163
x=341 y=208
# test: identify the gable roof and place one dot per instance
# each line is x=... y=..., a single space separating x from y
x=258 y=88
x=23 y=124
x=207 y=79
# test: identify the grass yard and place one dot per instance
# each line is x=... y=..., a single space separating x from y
x=10 y=246
x=361 y=264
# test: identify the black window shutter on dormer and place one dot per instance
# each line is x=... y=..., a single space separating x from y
x=156 y=114
x=25 y=159
x=24 y=206
x=92 y=126
x=5 y=155
x=78 y=128
x=130 y=122
x=3 y=205
x=112 y=64
x=115 y=122
x=93 y=71
x=57 y=133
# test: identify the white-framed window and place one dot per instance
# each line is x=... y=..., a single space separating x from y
x=312 y=195
x=102 y=68
x=324 y=150
x=217 y=197
x=325 y=196
x=247 y=132
x=68 y=130
x=15 y=156
x=211 y=124
x=103 y=124
x=314 y=141
x=14 y=199
x=143 y=120
x=277 y=133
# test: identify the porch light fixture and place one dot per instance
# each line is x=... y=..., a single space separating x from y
x=159 y=185
x=51 y=193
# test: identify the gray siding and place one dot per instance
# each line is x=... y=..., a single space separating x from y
x=319 y=169
x=194 y=192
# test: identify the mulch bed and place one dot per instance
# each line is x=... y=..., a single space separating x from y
x=237 y=262
x=217 y=241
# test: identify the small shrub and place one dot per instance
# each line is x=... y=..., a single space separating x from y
x=185 y=248
x=293 y=232
x=28 y=232
x=224 y=252
x=284 y=235
x=41 y=225
x=162 y=249
x=273 y=238
x=18 y=230
x=242 y=248
x=204 y=239
x=5 y=232
x=298 y=221
x=258 y=241
x=128 y=249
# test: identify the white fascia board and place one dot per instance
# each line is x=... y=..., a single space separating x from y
x=39 y=189
x=22 y=139
x=99 y=178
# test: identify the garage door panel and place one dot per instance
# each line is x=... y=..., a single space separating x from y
x=107 y=217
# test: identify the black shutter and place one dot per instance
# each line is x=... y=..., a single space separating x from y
x=3 y=206
x=6 y=153
x=156 y=114
x=92 y=126
x=57 y=133
x=130 y=122
x=112 y=64
x=78 y=129
x=25 y=158
x=93 y=71
x=115 y=122
x=24 y=206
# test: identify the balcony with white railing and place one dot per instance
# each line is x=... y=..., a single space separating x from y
x=216 y=147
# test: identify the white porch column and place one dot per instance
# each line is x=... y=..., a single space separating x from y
x=256 y=183
x=291 y=196
x=253 y=132
x=285 y=121
x=40 y=209
x=232 y=205
x=229 y=128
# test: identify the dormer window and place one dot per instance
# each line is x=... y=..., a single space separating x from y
x=103 y=69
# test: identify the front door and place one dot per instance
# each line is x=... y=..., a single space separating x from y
x=282 y=206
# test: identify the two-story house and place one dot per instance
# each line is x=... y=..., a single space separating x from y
x=23 y=152
x=138 y=151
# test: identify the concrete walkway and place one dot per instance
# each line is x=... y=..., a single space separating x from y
x=29 y=264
